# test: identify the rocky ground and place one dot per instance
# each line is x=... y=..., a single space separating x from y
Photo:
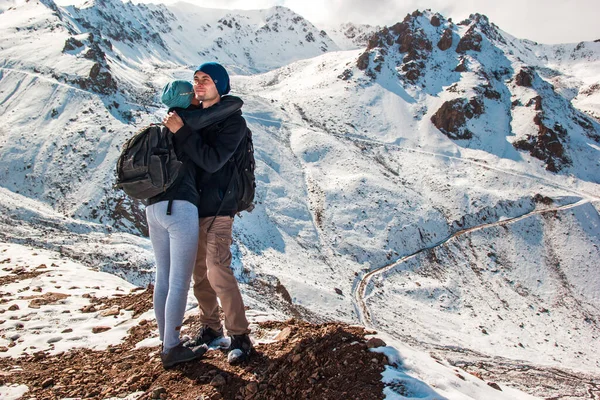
x=319 y=361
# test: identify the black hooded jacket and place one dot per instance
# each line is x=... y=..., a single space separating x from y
x=195 y=118
x=213 y=148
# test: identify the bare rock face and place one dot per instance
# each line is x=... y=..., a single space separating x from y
x=99 y=78
x=462 y=65
x=524 y=77
x=72 y=44
x=411 y=39
x=446 y=40
x=452 y=116
x=435 y=21
x=546 y=145
x=470 y=41
x=363 y=61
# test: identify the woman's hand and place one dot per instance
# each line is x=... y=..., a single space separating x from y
x=173 y=122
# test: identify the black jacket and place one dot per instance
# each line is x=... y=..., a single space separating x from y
x=196 y=118
x=186 y=188
x=213 y=149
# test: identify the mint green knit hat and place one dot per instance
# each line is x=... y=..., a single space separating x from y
x=178 y=94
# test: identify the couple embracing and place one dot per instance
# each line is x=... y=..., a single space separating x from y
x=190 y=224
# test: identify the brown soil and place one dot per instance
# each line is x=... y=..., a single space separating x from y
x=19 y=274
x=308 y=361
x=138 y=303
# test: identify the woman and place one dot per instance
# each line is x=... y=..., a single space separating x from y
x=173 y=226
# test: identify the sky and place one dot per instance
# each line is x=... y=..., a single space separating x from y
x=544 y=21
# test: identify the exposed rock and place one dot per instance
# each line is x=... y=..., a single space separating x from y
x=589 y=90
x=13 y=307
x=537 y=100
x=100 y=329
x=111 y=311
x=363 y=61
x=218 y=380
x=48 y=382
x=124 y=208
x=524 y=77
x=435 y=21
x=88 y=309
x=446 y=40
x=546 y=146
x=284 y=334
x=72 y=44
x=47 y=298
x=279 y=288
x=346 y=75
x=157 y=392
x=375 y=342
x=488 y=92
x=494 y=385
x=470 y=41
x=452 y=116
x=411 y=39
x=462 y=65
x=538 y=198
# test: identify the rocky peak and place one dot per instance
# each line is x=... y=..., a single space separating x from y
x=409 y=38
x=125 y=22
x=479 y=25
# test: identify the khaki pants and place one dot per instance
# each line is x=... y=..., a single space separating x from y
x=214 y=278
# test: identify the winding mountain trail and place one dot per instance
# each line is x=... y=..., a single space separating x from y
x=361 y=288
x=524 y=376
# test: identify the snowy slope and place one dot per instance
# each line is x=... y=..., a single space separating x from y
x=351 y=36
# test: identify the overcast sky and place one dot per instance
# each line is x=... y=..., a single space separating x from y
x=545 y=21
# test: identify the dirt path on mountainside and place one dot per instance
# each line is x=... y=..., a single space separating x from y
x=537 y=380
x=361 y=288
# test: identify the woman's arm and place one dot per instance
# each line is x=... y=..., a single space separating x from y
x=203 y=117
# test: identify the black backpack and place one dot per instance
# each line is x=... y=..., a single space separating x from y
x=148 y=165
x=246 y=180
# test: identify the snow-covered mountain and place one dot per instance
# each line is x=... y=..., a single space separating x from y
x=439 y=184
x=491 y=95
x=349 y=36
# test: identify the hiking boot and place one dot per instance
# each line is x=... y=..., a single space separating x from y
x=240 y=349
x=180 y=354
x=204 y=336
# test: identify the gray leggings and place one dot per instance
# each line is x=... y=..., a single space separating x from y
x=175 y=242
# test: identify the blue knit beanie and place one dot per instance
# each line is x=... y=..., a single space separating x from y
x=218 y=74
x=178 y=94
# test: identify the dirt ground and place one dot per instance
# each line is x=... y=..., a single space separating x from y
x=305 y=361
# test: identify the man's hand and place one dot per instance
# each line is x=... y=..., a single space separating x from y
x=173 y=122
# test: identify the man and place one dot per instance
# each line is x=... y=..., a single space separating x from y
x=213 y=150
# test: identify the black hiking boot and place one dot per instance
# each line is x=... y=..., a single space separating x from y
x=180 y=354
x=240 y=349
x=204 y=336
